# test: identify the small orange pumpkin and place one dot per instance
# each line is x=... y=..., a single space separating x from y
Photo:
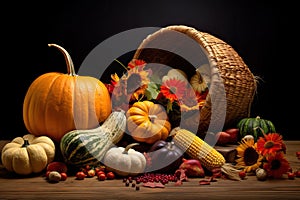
x=56 y=103
x=148 y=122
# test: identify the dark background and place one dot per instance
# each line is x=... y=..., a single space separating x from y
x=263 y=33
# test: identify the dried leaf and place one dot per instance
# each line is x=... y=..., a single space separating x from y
x=178 y=183
x=153 y=185
x=204 y=182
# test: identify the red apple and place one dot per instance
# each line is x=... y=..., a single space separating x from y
x=192 y=167
x=222 y=138
x=234 y=134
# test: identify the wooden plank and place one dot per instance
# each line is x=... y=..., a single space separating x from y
x=37 y=187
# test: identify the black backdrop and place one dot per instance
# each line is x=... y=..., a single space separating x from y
x=262 y=33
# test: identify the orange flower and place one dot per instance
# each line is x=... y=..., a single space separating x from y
x=173 y=89
x=270 y=143
x=136 y=63
x=192 y=100
x=276 y=165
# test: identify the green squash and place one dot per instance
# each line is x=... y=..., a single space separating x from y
x=87 y=147
x=256 y=127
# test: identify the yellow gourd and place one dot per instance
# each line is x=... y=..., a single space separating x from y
x=28 y=154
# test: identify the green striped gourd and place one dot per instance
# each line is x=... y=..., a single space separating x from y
x=256 y=127
x=87 y=147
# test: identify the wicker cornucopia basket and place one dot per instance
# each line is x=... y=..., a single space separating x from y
x=232 y=85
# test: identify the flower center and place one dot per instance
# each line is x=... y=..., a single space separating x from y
x=269 y=144
x=133 y=82
x=275 y=164
x=250 y=156
x=173 y=89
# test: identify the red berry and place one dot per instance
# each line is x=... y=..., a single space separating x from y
x=100 y=172
x=110 y=175
x=88 y=167
x=291 y=175
x=242 y=174
x=63 y=176
x=80 y=175
x=101 y=177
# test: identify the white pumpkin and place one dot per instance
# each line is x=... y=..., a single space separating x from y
x=125 y=161
x=177 y=74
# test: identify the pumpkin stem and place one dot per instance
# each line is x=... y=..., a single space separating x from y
x=26 y=143
x=262 y=130
x=129 y=146
x=69 y=62
x=152 y=117
x=170 y=145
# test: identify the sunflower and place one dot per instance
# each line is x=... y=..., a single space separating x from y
x=132 y=84
x=135 y=78
x=276 y=165
x=270 y=143
x=248 y=158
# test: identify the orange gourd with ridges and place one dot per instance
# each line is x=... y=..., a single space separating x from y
x=56 y=103
x=148 y=122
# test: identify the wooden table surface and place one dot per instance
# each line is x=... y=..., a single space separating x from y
x=90 y=188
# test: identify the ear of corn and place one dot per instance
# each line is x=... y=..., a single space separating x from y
x=196 y=148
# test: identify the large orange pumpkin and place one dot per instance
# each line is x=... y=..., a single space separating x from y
x=148 y=122
x=56 y=103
